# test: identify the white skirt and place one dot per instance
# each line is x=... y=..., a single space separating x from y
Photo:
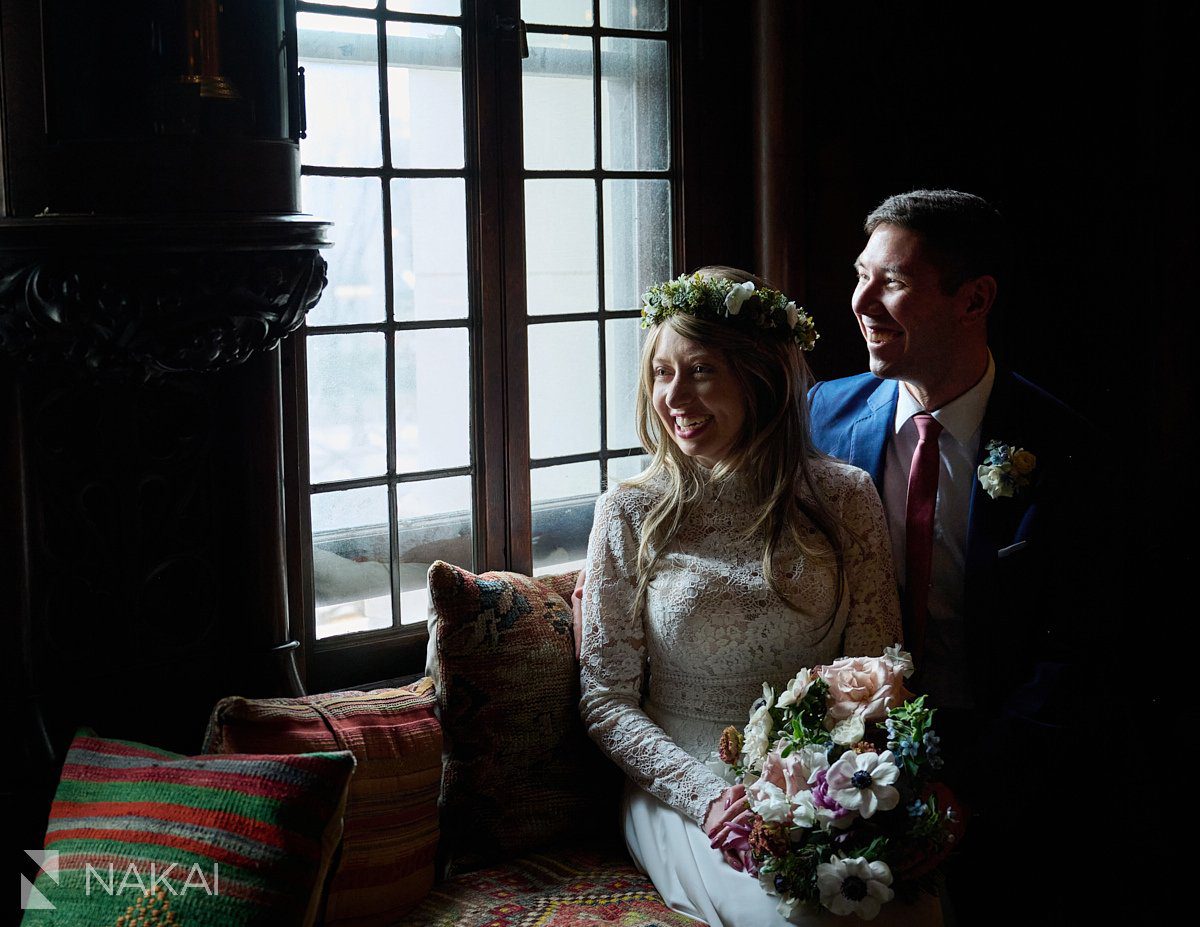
x=695 y=880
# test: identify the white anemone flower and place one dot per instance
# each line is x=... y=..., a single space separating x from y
x=738 y=295
x=793 y=314
x=854 y=886
x=862 y=782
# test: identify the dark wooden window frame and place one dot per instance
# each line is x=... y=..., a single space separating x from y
x=497 y=327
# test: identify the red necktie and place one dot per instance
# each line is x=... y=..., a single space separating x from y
x=918 y=529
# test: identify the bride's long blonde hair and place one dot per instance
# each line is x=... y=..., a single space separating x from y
x=773 y=451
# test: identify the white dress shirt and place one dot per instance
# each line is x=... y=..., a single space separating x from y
x=944 y=670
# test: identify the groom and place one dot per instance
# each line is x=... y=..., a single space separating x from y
x=982 y=477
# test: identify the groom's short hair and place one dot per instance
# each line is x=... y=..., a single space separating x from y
x=962 y=233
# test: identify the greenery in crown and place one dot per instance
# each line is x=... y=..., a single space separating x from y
x=721 y=300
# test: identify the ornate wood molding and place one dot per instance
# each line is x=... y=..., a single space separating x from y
x=138 y=299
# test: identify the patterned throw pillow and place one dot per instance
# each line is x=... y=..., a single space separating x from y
x=140 y=836
x=391 y=833
x=519 y=770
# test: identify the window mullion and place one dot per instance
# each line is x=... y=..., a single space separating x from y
x=503 y=407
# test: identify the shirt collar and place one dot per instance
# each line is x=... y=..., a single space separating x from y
x=962 y=417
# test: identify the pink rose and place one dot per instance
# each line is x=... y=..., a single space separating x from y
x=863 y=686
x=788 y=773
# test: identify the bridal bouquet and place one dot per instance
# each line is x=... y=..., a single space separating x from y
x=839 y=772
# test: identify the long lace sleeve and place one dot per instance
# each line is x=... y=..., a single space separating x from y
x=873 y=622
x=613 y=666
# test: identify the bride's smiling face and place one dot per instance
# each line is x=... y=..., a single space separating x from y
x=696 y=397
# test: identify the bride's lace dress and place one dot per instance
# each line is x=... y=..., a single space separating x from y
x=658 y=687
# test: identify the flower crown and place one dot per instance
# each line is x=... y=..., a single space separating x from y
x=720 y=300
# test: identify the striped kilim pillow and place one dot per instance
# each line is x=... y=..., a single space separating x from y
x=390 y=840
x=139 y=837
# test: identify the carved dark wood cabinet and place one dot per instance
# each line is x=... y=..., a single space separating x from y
x=152 y=258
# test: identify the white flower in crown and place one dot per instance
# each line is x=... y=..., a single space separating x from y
x=738 y=295
x=793 y=314
x=1006 y=470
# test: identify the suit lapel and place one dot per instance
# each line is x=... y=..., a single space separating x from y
x=869 y=434
x=993 y=524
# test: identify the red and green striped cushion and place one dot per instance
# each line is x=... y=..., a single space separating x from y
x=214 y=840
x=387 y=858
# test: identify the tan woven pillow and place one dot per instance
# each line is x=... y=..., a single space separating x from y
x=391 y=830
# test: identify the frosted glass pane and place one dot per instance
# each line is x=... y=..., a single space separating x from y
x=622 y=364
x=557 y=101
x=557 y=12
x=637 y=240
x=560 y=246
x=435 y=7
x=341 y=90
x=433 y=391
x=564 y=503
x=622 y=468
x=434 y=523
x=425 y=101
x=347 y=427
x=353 y=4
x=635 y=120
x=352 y=582
x=564 y=389
x=429 y=248
x=633 y=14
x=355 y=292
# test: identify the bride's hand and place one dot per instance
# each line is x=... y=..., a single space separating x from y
x=727 y=824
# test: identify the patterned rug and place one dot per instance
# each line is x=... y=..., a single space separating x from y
x=572 y=888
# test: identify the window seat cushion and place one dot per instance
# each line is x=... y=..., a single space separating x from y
x=566 y=886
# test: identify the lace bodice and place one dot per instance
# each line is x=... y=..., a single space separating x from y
x=658 y=687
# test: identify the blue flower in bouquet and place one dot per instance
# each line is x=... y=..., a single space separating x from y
x=908 y=747
x=932 y=742
x=917 y=808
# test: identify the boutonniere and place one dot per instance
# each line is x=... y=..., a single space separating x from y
x=1006 y=470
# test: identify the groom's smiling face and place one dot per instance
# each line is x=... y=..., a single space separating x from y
x=910 y=324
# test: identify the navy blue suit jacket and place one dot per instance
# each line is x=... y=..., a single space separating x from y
x=1026 y=589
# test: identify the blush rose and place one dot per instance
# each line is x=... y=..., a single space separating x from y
x=863 y=686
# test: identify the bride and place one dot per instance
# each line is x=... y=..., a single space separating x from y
x=740 y=555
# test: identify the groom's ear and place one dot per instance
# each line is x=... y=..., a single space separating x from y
x=978 y=294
